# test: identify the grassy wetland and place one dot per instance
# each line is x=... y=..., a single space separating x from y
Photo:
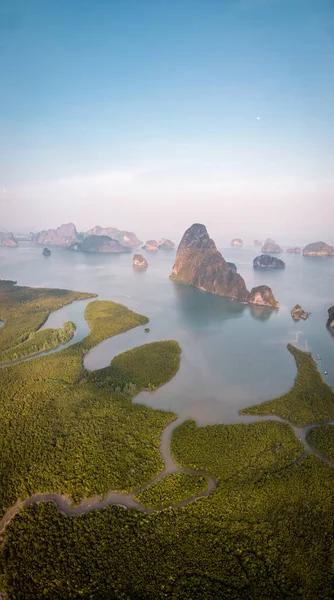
x=265 y=531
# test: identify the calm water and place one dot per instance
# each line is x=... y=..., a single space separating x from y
x=233 y=354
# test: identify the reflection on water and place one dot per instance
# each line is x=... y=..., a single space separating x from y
x=233 y=354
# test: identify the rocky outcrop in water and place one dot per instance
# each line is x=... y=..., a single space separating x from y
x=270 y=247
x=263 y=296
x=299 y=313
x=151 y=246
x=232 y=266
x=139 y=262
x=46 y=252
x=257 y=243
x=199 y=263
x=7 y=239
x=294 y=250
x=125 y=238
x=237 y=242
x=330 y=320
x=318 y=249
x=265 y=261
x=63 y=236
x=99 y=243
x=165 y=244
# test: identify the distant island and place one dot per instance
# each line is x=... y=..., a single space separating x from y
x=67 y=235
x=257 y=243
x=99 y=243
x=151 y=246
x=125 y=238
x=63 y=236
x=46 y=252
x=237 y=242
x=265 y=261
x=318 y=249
x=294 y=250
x=7 y=239
x=270 y=247
x=166 y=244
x=200 y=264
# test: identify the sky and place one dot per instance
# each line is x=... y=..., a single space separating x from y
x=149 y=115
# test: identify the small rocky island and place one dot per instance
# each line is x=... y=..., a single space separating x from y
x=270 y=247
x=298 y=313
x=139 y=262
x=294 y=250
x=166 y=244
x=318 y=249
x=257 y=243
x=99 y=243
x=8 y=240
x=263 y=296
x=330 y=320
x=265 y=261
x=151 y=246
x=46 y=252
x=237 y=242
x=200 y=264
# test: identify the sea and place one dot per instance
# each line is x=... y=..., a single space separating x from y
x=233 y=354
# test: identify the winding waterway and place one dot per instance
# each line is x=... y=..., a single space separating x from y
x=225 y=361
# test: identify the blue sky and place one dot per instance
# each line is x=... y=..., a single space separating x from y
x=121 y=112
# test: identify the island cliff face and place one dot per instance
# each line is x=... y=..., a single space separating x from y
x=318 y=249
x=64 y=236
x=7 y=239
x=330 y=321
x=268 y=262
x=199 y=263
x=99 y=243
x=126 y=238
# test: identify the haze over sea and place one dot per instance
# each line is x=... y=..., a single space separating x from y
x=233 y=355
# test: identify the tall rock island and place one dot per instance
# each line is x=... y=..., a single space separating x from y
x=199 y=263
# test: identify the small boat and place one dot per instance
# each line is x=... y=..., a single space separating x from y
x=325 y=372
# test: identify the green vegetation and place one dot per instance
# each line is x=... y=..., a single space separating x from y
x=172 y=489
x=146 y=367
x=322 y=439
x=24 y=310
x=309 y=401
x=106 y=319
x=236 y=452
x=42 y=340
x=60 y=432
x=249 y=540
x=265 y=532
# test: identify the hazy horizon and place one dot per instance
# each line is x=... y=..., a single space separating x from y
x=150 y=116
